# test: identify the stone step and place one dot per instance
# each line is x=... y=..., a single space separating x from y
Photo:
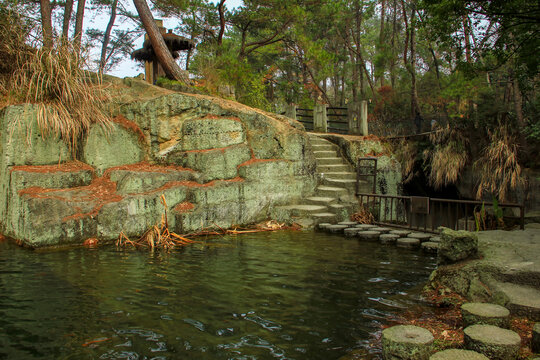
x=330 y=191
x=333 y=168
x=324 y=217
x=325 y=154
x=320 y=200
x=344 y=183
x=520 y=299
x=304 y=209
x=329 y=161
x=340 y=175
x=323 y=147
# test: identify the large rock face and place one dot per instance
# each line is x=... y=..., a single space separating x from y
x=215 y=162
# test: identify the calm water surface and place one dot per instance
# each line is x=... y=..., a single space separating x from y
x=284 y=295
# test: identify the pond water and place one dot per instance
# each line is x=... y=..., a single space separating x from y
x=283 y=295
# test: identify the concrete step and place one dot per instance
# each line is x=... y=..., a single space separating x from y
x=329 y=161
x=326 y=168
x=521 y=300
x=325 y=154
x=330 y=191
x=340 y=175
x=320 y=200
x=349 y=184
x=324 y=147
x=304 y=210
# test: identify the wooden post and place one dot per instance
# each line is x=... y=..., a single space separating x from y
x=290 y=111
x=353 y=115
x=363 y=117
x=320 y=120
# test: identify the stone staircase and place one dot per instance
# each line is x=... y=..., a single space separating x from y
x=334 y=198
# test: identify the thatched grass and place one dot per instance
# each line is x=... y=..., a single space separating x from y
x=406 y=153
x=498 y=167
x=447 y=159
x=69 y=98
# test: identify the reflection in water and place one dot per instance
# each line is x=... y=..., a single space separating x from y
x=284 y=295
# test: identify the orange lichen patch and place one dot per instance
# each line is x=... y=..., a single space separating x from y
x=255 y=161
x=129 y=125
x=100 y=192
x=147 y=167
x=2 y=238
x=70 y=166
x=91 y=242
x=187 y=184
x=184 y=207
x=217 y=117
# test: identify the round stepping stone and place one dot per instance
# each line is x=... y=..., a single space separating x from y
x=365 y=226
x=382 y=230
x=351 y=232
x=323 y=226
x=400 y=233
x=430 y=246
x=487 y=314
x=348 y=223
x=388 y=238
x=420 y=236
x=436 y=239
x=407 y=242
x=535 y=341
x=406 y=342
x=369 y=235
x=458 y=354
x=492 y=341
x=336 y=228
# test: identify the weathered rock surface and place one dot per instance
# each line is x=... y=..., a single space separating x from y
x=388 y=238
x=456 y=246
x=486 y=314
x=506 y=273
x=535 y=341
x=216 y=162
x=408 y=242
x=458 y=354
x=406 y=342
x=492 y=341
x=430 y=247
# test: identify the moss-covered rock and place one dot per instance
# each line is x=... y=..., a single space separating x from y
x=483 y=313
x=492 y=341
x=456 y=246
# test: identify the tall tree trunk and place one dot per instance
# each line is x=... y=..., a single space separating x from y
x=393 y=45
x=381 y=40
x=518 y=108
x=415 y=109
x=68 y=9
x=107 y=36
x=46 y=23
x=79 y=24
x=221 y=11
x=163 y=54
x=467 y=36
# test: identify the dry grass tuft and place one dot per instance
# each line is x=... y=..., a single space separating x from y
x=363 y=216
x=448 y=158
x=69 y=98
x=498 y=166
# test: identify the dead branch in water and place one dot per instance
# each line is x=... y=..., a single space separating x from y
x=159 y=237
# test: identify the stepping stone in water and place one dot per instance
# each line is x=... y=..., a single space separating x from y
x=351 y=232
x=365 y=226
x=400 y=233
x=487 y=314
x=408 y=242
x=535 y=342
x=388 y=238
x=492 y=341
x=436 y=239
x=348 y=223
x=382 y=230
x=420 y=236
x=406 y=342
x=336 y=228
x=430 y=246
x=323 y=226
x=458 y=354
x=369 y=235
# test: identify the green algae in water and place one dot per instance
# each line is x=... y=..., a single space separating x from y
x=284 y=295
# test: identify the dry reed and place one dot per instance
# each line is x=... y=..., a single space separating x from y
x=69 y=98
x=498 y=167
x=363 y=216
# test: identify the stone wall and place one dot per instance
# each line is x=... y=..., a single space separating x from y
x=214 y=162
